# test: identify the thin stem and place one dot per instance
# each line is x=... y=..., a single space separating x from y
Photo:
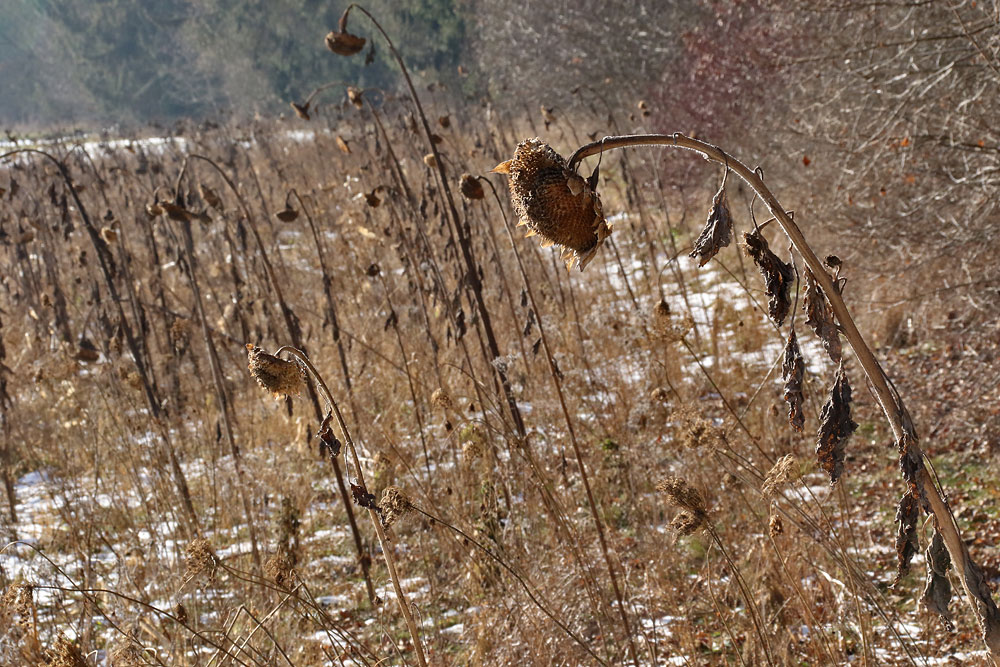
x=390 y=560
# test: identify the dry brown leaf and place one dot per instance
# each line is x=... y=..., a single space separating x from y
x=937 y=590
x=907 y=515
x=819 y=316
x=777 y=276
x=718 y=231
x=793 y=370
x=836 y=426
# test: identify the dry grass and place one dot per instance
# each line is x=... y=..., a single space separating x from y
x=172 y=513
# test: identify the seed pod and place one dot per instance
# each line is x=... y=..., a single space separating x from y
x=394 y=504
x=782 y=471
x=342 y=42
x=199 y=558
x=555 y=203
x=775 y=526
x=681 y=494
x=471 y=187
x=686 y=523
x=287 y=214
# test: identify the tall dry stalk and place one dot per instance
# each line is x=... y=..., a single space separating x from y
x=278 y=376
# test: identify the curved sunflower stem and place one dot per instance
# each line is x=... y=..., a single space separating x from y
x=896 y=414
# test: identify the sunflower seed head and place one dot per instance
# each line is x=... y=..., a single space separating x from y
x=555 y=203
x=276 y=375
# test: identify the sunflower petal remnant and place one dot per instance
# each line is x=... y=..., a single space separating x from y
x=554 y=203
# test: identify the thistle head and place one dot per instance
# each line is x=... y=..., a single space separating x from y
x=555 y=203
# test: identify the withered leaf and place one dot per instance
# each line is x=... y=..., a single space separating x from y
x=390 y=321
x=910 y=462
x=210 y=196
x=327 y=439
x=362 y=497
x=529 y=323
x=777 y=276
x=907 y=515
x=342 y=145
x=793 y=370
x=937 y=590
x=819 y=316
x=836 y=426
x=718 y=231
x=534 y=347
x=175 y=212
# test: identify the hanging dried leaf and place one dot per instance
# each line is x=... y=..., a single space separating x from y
x=907 y=515
x=793 y=370
x=718 y=231
x=836 y=426
x=175 y=212
x=937 y=591
x=777 y=276
x=819 y=316
x=910 y=463
x=210 y=196
x=342 y=144
x=471 y=187
x=327 y=439
x=362 y=497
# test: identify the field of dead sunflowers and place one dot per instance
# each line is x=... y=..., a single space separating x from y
x=300 y=391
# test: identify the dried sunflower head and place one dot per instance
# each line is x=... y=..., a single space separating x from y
x=274 y=374
x=555 y=203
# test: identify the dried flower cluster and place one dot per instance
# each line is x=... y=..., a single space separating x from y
x=394 y=505
x=667 y=327
x=694 y=510
x=199 y=558
x=783 y=470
